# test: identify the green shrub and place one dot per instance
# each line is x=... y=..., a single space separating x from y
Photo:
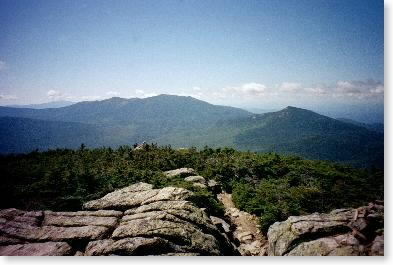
x=268 y=185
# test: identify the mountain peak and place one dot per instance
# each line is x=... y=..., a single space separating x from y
x=298 y=111
x=292 y=108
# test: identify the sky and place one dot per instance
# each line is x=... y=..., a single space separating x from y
x=263 y=54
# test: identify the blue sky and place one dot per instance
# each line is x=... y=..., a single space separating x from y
x=264 y=53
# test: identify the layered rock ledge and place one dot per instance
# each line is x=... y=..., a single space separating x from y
x=136 y=220
x=342 y=232
x=141 y=220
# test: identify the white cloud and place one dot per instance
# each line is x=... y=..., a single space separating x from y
x=347 y=87
x=314 y=90
x=3 y=66
x=196 y=88
x=341 y=90
x=91 y=98
x=378 y=90
x=194 y=95
x=246 y=90
x=139 y=92
x=112 y=93
x=142 y=94
x=253 y=88
x=290 y=87
x=8 y=97
x=148 y=95
x=55 y=95
x=359 y=89
x=196 y=92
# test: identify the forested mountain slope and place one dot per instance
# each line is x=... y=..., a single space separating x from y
x=185 y=122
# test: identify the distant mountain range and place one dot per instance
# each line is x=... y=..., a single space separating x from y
x=184 y=122
x=53 y=104
x=378 y=127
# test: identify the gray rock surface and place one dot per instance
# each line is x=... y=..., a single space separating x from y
x=199 y=185
x=130 y=197
x=37 y=249
x=141 y=220
x=196 y=179
x=343 y=232
x=64 y=220
x=182 y=172
x=53 y=233
x=101 y=213
x=377 y=247
x=221 y=223
x=129 y=246
x=154 y=222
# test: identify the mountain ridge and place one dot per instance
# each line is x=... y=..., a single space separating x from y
x=185 y=121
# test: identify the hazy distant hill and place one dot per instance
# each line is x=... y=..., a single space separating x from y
x=313 y=136
x=378 y=127
x=24 y=135
x=184 y=122
x=53 y=104
x=292 y=131
x=152 y=116
x=260 y=111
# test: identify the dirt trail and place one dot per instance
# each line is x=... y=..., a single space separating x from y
x=252 y=242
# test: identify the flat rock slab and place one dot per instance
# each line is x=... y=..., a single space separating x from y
x=338 y=233
x=10 y=213
x=4 y=240
x=199 y=185
x=59 y=220
x=164 y=205
x=155 y=222
x=130 y=247
x=328 y=246
x=19 y=216
x=136 y=195
x=54 y=233
x=37 y=249
x=195 y=179
x=100 y=213
x=182 y=172
x=198 y=219
x=181 y=234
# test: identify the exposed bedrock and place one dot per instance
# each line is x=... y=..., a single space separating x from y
x=342 y=232
x=135 y=220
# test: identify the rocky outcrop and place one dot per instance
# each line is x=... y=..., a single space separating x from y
x=136 y=220
x=343 y=232
x=180 y=172
x=136 y=195
x=141 y=220
x=197 y=181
